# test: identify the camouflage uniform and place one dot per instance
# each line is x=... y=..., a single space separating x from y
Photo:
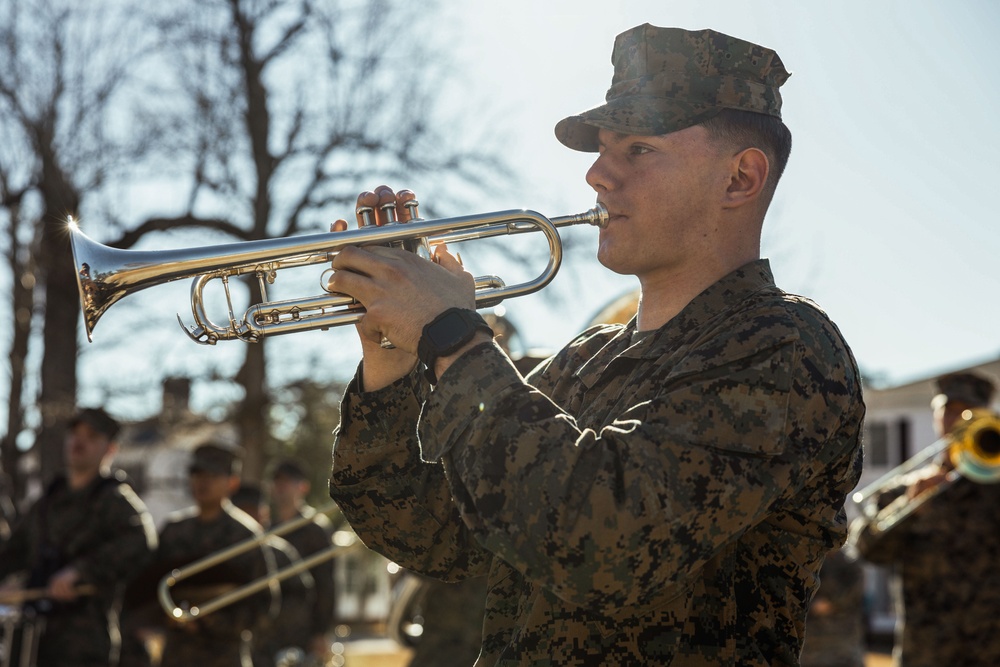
x=307 y=540
x=835 y=625
x=288 y=626
x=946 y=588
x=657 y=499
x=106 y=533
x=223 y=636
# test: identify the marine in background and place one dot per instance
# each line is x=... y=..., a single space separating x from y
x=943 y=556
x=75 y=550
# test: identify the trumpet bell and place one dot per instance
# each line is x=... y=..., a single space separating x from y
x=99 y=279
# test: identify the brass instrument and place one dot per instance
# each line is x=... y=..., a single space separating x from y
x=105 y=274
x=341 y=543
x=973 y=447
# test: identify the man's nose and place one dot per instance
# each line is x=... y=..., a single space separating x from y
x=600 y=176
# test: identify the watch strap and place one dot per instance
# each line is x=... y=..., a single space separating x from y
x=428 y=352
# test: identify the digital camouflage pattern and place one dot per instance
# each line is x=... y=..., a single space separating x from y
x=667 y=500
x=224 y=637
x=667 y=79
x=835 y=624
x=106 y=533
x=946 y=588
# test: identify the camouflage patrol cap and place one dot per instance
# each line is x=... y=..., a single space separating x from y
x=97 y=419
x=667 y=79
x=290 y=468
x=972 y=389
x=217 y=458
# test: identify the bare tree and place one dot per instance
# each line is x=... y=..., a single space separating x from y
x=61 y=64
x=279 y=112
x=20 y=262
x=268 y=115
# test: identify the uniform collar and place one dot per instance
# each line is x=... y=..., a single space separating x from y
x=712 y=303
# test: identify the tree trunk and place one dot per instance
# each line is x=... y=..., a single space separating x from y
x=22 y=307
x=57 y=400
x=252 y=413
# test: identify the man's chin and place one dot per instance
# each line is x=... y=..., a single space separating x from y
x=614 y=264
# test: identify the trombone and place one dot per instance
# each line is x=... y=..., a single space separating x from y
x=973 y=447
x=342 y=542
x=105 y=275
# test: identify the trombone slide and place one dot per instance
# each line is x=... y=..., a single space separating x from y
x=342 y=542
x=973 y=448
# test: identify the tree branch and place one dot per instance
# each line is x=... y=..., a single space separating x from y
x=130 y=237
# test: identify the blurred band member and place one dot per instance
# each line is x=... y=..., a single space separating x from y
x=944 y=555
x=80 y=543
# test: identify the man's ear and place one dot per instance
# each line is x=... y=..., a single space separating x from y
x=748 y=178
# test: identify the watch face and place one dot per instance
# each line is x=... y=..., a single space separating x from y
x=450 y=330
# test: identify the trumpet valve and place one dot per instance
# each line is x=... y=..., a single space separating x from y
x=366 y=216
x=389 y=213
x=367 y=201
x=409 y=201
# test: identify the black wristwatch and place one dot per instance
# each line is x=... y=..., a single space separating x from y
x=445 y=334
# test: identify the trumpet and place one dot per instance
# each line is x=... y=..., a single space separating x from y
x=105 y=275
x=973 y=447
x=341 y=542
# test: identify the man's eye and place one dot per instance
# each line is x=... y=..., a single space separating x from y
x=638 y=149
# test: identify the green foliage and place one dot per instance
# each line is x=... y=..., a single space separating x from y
x=303 y=417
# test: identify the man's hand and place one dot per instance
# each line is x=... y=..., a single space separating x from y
x=820 y=606
x=11 y=586
x=401 y=292
x=62 y=585
x=928 y=480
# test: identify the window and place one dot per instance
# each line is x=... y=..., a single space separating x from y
x=903 y=434
x=876 y=444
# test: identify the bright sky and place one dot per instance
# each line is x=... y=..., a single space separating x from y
x=884 y=216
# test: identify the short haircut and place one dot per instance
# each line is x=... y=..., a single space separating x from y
x=746 y=129
x=247 y=495
x=291 y=468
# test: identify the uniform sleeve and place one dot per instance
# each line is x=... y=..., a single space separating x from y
x=127 y=541
x=885 y=538
x=615 y=516
x=399 y=505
